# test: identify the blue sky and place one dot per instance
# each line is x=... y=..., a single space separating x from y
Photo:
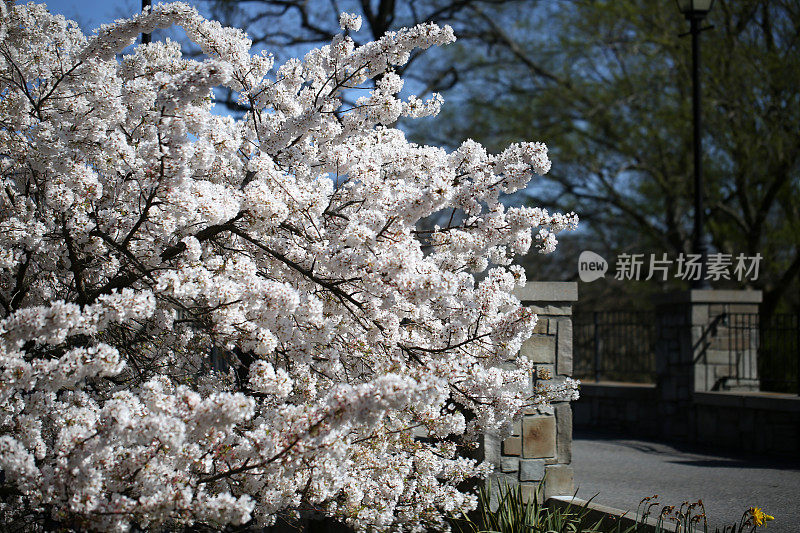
x=91 y=13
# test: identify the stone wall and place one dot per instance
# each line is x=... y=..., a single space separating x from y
x=623 y=407
x=764 y=423
x=541 y=444
x=691 y=331
x=705 y=332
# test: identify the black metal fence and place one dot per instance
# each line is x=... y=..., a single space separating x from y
x=730 y=346
x=779 y=353
x=615 y=346
x=620 y=346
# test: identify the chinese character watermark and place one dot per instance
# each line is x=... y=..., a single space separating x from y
x=688 y=267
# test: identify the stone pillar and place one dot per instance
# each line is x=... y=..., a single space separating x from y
x=702 y=345
x=541 y=444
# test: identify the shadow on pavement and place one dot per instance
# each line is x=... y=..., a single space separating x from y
x=696 y=455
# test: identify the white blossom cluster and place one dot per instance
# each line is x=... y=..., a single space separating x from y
x=139 y=232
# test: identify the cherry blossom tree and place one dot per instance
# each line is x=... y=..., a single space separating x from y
x=139 y=232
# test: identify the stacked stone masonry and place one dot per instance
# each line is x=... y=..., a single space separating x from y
x=702 y=346
x=540 y=446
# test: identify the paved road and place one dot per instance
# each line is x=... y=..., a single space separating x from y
x=624 y=470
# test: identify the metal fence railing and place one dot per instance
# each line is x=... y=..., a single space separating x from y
x=620 y=346
x=730 y=344
x=756 y=348
x=779 y=353
x=615 y=346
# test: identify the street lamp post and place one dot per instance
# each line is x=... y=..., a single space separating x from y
x=695 y=11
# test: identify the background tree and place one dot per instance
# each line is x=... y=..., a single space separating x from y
x=609 y=84
x=284 y=27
